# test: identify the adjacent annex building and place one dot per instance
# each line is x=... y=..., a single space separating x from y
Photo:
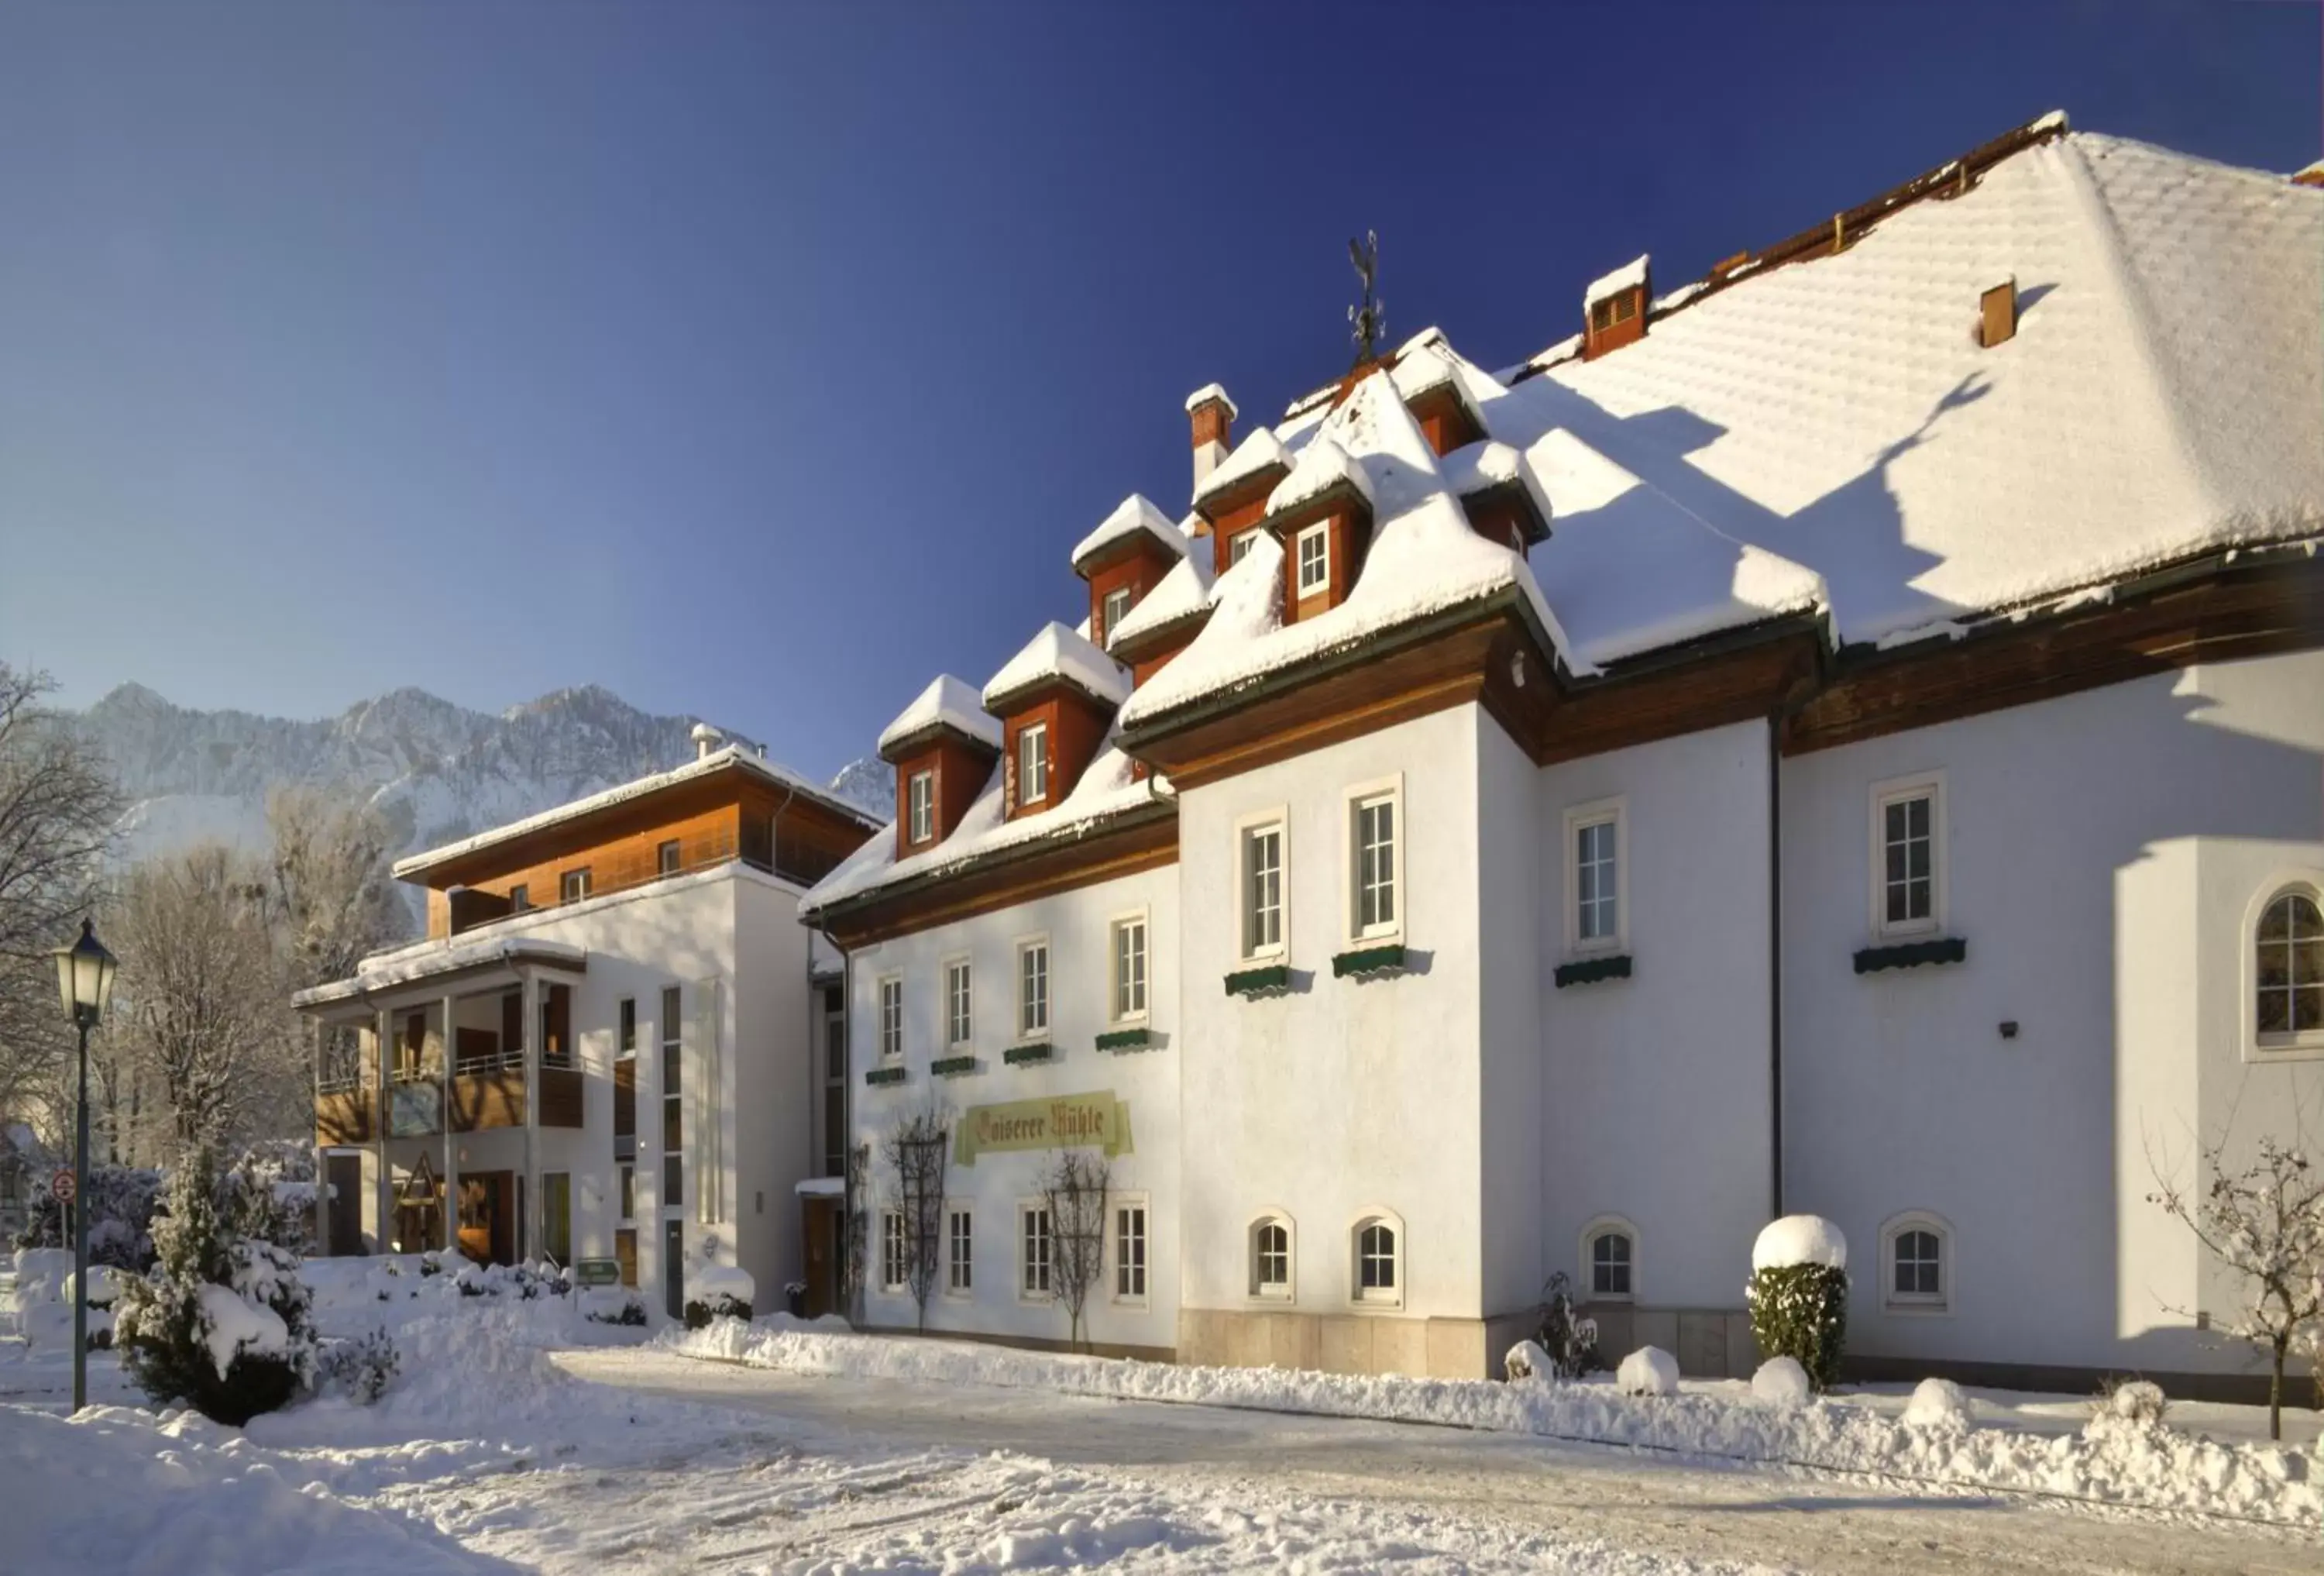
x=1846 y=734
x=611 y=1044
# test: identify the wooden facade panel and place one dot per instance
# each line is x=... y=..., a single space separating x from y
x=960 y=768
x=344 y=1117
x=1138 y=572
x=487 y=1100
x=625 y=1097
x=1077 y=726
x=560 y=1097
x=1230 y=522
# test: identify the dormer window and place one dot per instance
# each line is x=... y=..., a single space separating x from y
x=1033 y=764
x=1315 y=559
x=1111 y=612
x=1239 y=548
x=1613 y=309
x=921 y=799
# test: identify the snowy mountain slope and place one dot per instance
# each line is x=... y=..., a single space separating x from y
x=439 y=772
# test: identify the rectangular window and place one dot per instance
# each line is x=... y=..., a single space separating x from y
x=573 y=885
x=960 y=1256
x=921 y=793
x=666 y=858
x=1130 y=1251
x=1240 y=547
x=1033 y=1251
x=629 y=1193
x=1374 y=864
x=556 y=1215
x=1908 y=876
x=520 y=898
x=835 y=1092
x=625 y=1041
x=1315 y=559
x=1033 y=764
x=1032 y=990
x=1127 y=985
x=892 y=1250
x=1111 y=612
x=1594 y=877
x=959 y=1026
x=673 y=1102
x=891 y=1018
x=1262 y=890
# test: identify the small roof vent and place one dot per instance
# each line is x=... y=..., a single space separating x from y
x=706 y=739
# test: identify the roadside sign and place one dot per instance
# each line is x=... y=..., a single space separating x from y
x=597 y=1272
x=61 y=1187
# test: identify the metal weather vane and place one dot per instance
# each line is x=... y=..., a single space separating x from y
x=1370 y=319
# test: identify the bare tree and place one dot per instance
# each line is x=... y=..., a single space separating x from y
x=2266 y=1224
x=59 y=806
x=914 y=1149
x=201 y=997
x=332 y=899
x=1075 y=1188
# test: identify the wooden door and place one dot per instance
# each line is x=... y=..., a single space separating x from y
x=822 y=1217
x=626 y=1254
x=343 y=1216
x=488 y=1217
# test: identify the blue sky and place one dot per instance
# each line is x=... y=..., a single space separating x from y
x=762 y=361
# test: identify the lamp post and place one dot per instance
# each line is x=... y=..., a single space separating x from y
x=85 y=980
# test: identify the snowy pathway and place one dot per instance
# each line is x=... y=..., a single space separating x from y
x=1481 y=1501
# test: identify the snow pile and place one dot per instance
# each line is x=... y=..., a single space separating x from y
x=1527 y=1359
x=1781 y=1381
x=711 y=1280
x=1058 y=653
x=1205 y=394
x=1648 y=1371
x=1323 y=466
x=1799 y=1240
x=1253 y=454
x=1629 y=276
x=1937 y=1404
x=1184 y=593
x=232 y=1324
x=1132 y=515
x=2152 y=1468
x=948 y=703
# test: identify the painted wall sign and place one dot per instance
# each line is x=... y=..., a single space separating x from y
x=1061 y=1121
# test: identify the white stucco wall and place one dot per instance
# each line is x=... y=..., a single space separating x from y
x=1655 y=1089
x=1341 y=1095
x=1077 y=927
x=1516 y=1163
x=2103 y=853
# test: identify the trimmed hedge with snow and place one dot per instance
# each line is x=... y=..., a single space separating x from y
x=1798 y=1294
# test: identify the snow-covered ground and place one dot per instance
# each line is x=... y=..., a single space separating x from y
x=520 y=1437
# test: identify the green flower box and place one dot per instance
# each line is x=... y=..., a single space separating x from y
x=1590 y=970
x=1250 y=981
x=1368 y=960
x=880 y=1075
x=951 y=1066
x=1125 y=1039
x=1910 y=955
x=1020 y=1055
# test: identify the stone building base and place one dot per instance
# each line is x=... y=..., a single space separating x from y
x=1350 y=1343
x=1709 y=1343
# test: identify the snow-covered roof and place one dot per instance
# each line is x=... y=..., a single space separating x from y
x=424 y=960
x=734 y=755
x=1253 y=454
x=946 y=703
x=1060 y=654
x=1323 y=466
x=1132 y=515
x=1184 y=593
x=1205 y=394
x=1629 y=276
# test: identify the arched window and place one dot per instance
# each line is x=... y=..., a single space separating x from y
x=2288 y=976
x=1916 y=1272
x=1375 y=1254
x=1609 y=1255
x=1270 y=1256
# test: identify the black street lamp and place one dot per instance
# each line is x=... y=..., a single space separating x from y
x=85 y=973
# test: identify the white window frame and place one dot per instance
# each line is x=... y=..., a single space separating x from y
x=1611 y=812
x=960 y=1272
x=1115 y=1206
x=1114 y=1011
x=1893 y=791
x=1304 y=588
x=888 y=1017
x=1260 y=1291
x=1239 y=546
x=1025 y=1209
x=1029 y=1033
x=1277 y=820
x=891 y=1223
x=920 y=805
x=1606 y=1225
x=1032 y=753
x=1923 y=1305
x=1359 y=1294
x=1388 y=791
x=1111 y=609
x=960 y=1026
x=2295 y=1044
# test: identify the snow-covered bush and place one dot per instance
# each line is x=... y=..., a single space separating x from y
x=1781 y=1381
x=121 y=1199
x=269 y=1194
x=1526 y=1360
x=1570 y=1342
x=612 y=1306
x=104 y=1283
x=1937 y=1404
x=1648 y=1371
x=720 y=1291
x=221 y=1323
x=1798 y=1294
x=359 y=1368
x=2138 y=1403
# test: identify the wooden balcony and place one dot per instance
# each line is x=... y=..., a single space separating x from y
x=343 y=1116
x=492 y=1096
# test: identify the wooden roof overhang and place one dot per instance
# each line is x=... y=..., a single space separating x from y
x=920 y=741
x=1341 y=497
x=1241 y=493
x=1144 y=541
x=1140 y=838
x=1513 y=499
x=356 y=999
x=1170 y=635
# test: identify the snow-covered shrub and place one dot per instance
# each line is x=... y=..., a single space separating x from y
x=1648 y=1371
x=720 y=1291
x=2138 y=1403
x=221 y=1323
x=1937 y=1404
x=1526 y=1360
x=1570 y=1342
x=121 y=1199
x=359 y=1368
x=1798 y=1294
x=1781 y=1381
x=104 y=1283
x=612 y=1306
x=269 y=1194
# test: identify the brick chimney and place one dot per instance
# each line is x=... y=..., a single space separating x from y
x=1212 y=415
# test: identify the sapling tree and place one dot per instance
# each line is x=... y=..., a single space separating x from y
x=914 y=1150
x=1073 y=1189
x=2266 y=1224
